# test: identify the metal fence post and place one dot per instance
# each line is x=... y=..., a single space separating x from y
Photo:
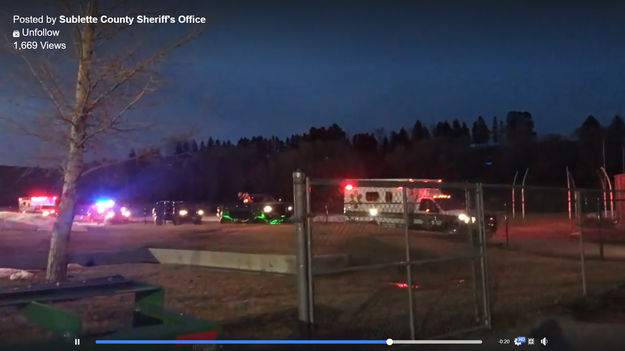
x=474 y=272
x=523 y=193
x=479 y=209
x=505 y=220
x=408 y=265
x=516 y=174
x=568 y=192
x=578 y=214
x=309 y=255
x=600 y=219
x=299 y=207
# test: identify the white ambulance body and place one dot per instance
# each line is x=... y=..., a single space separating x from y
x=39 y=203
x=384 y=206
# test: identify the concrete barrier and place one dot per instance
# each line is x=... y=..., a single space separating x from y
x=273 y=263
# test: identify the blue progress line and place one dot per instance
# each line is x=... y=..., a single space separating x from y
x=241 y=342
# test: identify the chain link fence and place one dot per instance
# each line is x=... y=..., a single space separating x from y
x=554 y=245
x=387 y=266
x=396 y=258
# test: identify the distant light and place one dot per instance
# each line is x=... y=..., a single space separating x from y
x=200 y=212
x=46 y=213
x=405 y=285
x=183 y=212
x=488 y=163
x=373 y=211
x=125 y=212
x=105 y=203
x=109 y=215
x=267 y=209
x=349 y=187
x=290 y=208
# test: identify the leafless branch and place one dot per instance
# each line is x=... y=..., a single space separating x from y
x=47 y=82
x=131 y=72
x=111 y=123
x=111 y=163
x=54 y=137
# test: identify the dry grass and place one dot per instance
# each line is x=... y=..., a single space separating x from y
x=255 y=305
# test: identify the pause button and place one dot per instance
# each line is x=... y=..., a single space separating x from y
x=76 y=342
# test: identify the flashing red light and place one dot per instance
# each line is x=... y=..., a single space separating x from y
x=349 y=187
x=405 y=285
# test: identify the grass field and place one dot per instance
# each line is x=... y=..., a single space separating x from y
x=373 y=303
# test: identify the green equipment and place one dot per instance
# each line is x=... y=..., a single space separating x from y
x=150 y=320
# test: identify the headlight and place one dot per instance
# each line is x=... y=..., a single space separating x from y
x=290 y=208
x=200 y=212
x=183 y=212
x=109 y=215
x=125 y=212
x=464 y=218
x=373 y=211
x=46 y=213
x=267 y=209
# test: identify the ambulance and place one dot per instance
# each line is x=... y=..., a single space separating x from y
x=428 y=208
x=46 y=205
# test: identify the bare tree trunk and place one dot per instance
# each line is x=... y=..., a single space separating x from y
x=57 y=258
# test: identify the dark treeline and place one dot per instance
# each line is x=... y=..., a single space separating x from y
x=488 y=150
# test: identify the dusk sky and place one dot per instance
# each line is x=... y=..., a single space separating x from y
x=278 y=68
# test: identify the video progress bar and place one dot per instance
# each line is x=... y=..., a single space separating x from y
x=433 y=342
x=289 y=342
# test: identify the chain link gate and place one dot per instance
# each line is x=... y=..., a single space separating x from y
x=384 y=258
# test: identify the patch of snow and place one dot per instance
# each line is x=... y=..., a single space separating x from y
x=32 y=221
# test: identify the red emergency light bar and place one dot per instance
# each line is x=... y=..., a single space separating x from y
x=41 y=200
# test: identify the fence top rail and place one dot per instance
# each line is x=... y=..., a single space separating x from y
x=408 y=183
x=429 y=183
x=547 y=187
